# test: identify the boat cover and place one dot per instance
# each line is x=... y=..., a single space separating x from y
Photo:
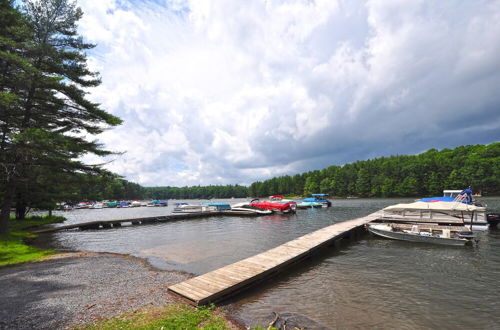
x=436 y=206
x=309 y=203
x=315 y=199
x=219 y=206
x=437 y=199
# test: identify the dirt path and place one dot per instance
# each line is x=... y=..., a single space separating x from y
x=76 y=288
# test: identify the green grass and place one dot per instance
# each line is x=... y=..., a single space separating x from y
x=175 y=316
x=13 y=247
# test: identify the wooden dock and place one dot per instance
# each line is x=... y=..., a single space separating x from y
x=113 y=223
x=226 y=281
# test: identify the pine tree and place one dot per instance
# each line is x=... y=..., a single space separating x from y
x=53 y=115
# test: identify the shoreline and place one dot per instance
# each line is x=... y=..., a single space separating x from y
x=71 y=289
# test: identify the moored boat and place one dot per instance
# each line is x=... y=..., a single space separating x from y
x=246 y=207
x=162 y=202
x=467 y=197
x=82 y=205
x=444 y=236
x=214 y=206
x=276 y=203
x=203 y=207
x=493 y=219
x=442 y=213
x=185 y=207
x=97 y=206
x=318 y=198
x=135 y=204
x=309 y=205
x=123 y=204
x=157 y=202
x=112 y=204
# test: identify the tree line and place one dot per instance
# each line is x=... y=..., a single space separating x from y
x=426 y=174
x=94 y=188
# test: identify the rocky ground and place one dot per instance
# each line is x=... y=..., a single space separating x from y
x=77 y=288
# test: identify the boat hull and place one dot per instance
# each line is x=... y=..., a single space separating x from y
x=251 y=210
x=276 y=207
x=402 y=236
x=309 y=205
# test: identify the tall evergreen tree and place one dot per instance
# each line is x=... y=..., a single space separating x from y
x=53 y=115
x=14 y=71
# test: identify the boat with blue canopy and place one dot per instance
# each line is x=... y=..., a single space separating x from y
x=318 y=198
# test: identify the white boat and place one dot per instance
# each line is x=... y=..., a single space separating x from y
x=97 y=206
x=310 y=205
x=246 y=207
x=82 y=205
x=135 y=204
x=442 y=213
x=417 y=234
x=185 y=207
x=206 y=207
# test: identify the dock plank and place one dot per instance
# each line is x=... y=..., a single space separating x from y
x=194 y=292
x=221 y=283
x=144 y=220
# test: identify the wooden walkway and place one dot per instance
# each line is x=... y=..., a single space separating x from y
x=223 y=282
x=103 y=224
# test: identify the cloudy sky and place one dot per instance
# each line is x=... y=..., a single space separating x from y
x=229 y=91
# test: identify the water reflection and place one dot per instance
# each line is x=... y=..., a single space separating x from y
x=372 y=283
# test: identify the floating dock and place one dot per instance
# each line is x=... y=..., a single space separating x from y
x=224 y=282
x=113 y=223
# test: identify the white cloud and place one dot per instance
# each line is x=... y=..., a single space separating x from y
x=231 y=91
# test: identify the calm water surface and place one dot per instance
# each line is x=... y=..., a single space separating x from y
x=368 y=283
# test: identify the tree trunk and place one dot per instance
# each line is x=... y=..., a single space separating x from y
x=7 y=205
x=20 y=211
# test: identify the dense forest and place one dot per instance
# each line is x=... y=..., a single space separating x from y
x=396 y=176
x=425 y=174
x=93 y=188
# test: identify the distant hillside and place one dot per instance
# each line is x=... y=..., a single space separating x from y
x=398 y=176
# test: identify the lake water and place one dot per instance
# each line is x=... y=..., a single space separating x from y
x=367 y=283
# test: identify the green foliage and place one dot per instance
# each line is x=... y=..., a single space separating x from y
x=425 y=174
x=13 y=248
x=405 y=176
x=34 y=221
x=169 y=317
x=46 y=118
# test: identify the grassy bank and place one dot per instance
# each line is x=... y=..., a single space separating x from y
x=175 y=316
x=13 y=247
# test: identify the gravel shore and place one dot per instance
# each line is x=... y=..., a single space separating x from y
x=77 y=288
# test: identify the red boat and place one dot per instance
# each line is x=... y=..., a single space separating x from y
x=276 y=204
